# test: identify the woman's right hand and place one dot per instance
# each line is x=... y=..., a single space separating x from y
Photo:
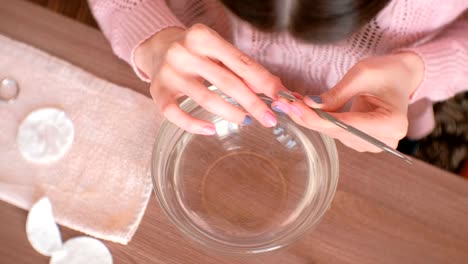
x=178 y=61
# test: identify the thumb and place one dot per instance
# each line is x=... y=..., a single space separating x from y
x=336 y=97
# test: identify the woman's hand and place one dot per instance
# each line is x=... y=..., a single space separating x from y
x=379 y=89
x=179 y=61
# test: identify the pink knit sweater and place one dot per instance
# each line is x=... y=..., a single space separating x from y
x=437 y=30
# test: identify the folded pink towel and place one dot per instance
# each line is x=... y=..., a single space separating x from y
x=102 y=185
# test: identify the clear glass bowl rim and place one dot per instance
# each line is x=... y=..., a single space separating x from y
x=157 y=173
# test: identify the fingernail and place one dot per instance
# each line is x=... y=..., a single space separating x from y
x=247 y=120
x=317 y=99
x=277 y=109
x=280 y=107
x=269 y=119
x=209 y=130
x=296 y=110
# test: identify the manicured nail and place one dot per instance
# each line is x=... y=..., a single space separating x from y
x=247 y=120
x=269 y=119
x=209 y=130
x=277 y=109
x=280 y=107
x=317 y=99
x=296 y=110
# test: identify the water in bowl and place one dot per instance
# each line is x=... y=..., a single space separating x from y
x=246 y=184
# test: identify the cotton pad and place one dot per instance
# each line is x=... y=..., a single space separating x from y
x=41 y=229
x=81 y=250
x=45 y=135
x=44 y=236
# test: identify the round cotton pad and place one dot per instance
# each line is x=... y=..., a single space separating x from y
x=45 y=135
x=80 y=250
x=41 y=229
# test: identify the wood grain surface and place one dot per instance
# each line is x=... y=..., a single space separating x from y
x=67 y=39
x=384 y=211
x=76 y=9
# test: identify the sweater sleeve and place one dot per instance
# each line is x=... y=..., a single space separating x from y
x=128 y=23
x=445 y=63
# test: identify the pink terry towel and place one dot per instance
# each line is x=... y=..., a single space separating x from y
x=102 y=185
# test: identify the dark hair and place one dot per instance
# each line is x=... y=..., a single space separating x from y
x=310 y=20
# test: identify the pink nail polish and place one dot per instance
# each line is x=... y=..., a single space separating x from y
x=269 y=119
x=209 y=130
x=295 y=110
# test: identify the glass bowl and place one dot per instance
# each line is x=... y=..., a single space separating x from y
x=247 y=189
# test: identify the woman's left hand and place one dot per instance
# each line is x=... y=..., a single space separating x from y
x=379 y=89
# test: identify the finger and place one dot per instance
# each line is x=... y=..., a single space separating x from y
x=311 y=120
x=380 y=123
x=376 y=123
x=298 y=120
x=170 y=109
x=298 y=95
x=185 y=121
x=232 y=86
x=361 y=145
x=298 y=112
x=209 y=100
x=224 y=80
x=347 y=139
x=356 y=143
x=338 y=133
x=360 y=79
x=206 y=42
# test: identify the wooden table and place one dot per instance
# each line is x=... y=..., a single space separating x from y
x=384 y=211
